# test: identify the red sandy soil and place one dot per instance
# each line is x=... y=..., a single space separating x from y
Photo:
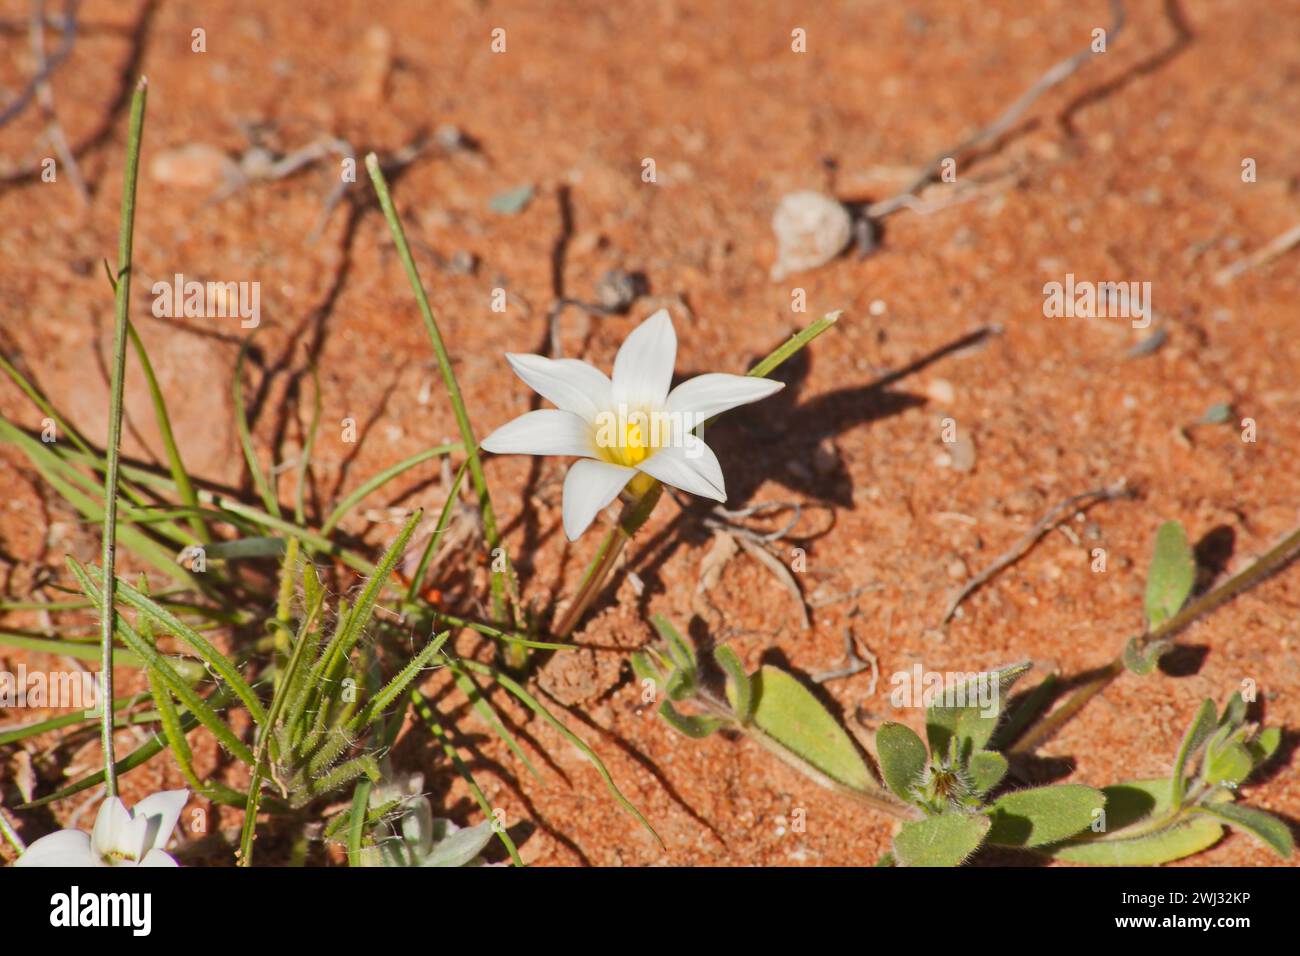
x=1131 y=170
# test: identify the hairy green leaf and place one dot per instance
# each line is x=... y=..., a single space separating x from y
x=1044 y=814
x=969 y=711
x=987 y=769
x=902 y=757
x=1171 y=576
x=1265 y=827
x=1202 y=727
x=1183 y=839
x=739 y=691
x=788 y=713
x=945 y=840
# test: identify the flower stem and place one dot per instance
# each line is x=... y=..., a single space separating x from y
x=634 y=515
x=107 y=609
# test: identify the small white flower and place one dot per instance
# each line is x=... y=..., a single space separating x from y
x=628 y=425
x=421 y=838
x=121 y=837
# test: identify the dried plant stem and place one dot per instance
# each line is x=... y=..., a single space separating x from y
x=107 y=610
x=1021 y=547
x=1054 y=76
x=1281 y=553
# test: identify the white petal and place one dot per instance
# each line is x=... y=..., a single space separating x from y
x=643 y=368
x=460 y=847
x=161 y=810
x=62 y=848
x=117 y=836
x=548 y=431
x=690 y=466
x=157 y=858
x=588 y=488
x=707 y=395
x=568 y=384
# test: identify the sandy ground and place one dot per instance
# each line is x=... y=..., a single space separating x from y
x=1130 y=171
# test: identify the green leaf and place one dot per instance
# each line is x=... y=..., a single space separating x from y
x=739 y=692
x=1134 y=800
x=1264 y=745
x=1234 y=711
x=976 y=708
x=1141 y=657
x=1230 y=764
x=696 y=727
x=1183 y=839
x=788 y=713
x=1044 y=814
x=987 y=769
x=945 y=840
x=1171 y=576
x=679 y=651
x=1265 y=827
x=644 y=669
x=1202 y=727
x=902 y=757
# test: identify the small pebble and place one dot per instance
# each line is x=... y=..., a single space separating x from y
x=192 y=166
x=940 y=390
x=811 y=230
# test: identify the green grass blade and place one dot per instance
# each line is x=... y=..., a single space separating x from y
x=304 y=460
x=184 y=487
x=381 y=479
x=196 y=704
x=394 y=688
x=444 y=518
x=211 y=656
x=477 y=477
x=529 y=701
x=481 y=704
x=246 y=437
x=426 y=712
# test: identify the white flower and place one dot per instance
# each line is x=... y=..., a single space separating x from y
x=423 y=840
x=121 y=837
x=628 y=425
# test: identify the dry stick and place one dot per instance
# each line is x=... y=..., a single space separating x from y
x=43 y=73
x=45 y=98
x=1272 y=250
x=1019 y=549
x=1281 y=553
x=1054 y=76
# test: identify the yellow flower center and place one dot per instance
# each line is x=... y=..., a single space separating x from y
x=634 y=448
x=626 y=439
